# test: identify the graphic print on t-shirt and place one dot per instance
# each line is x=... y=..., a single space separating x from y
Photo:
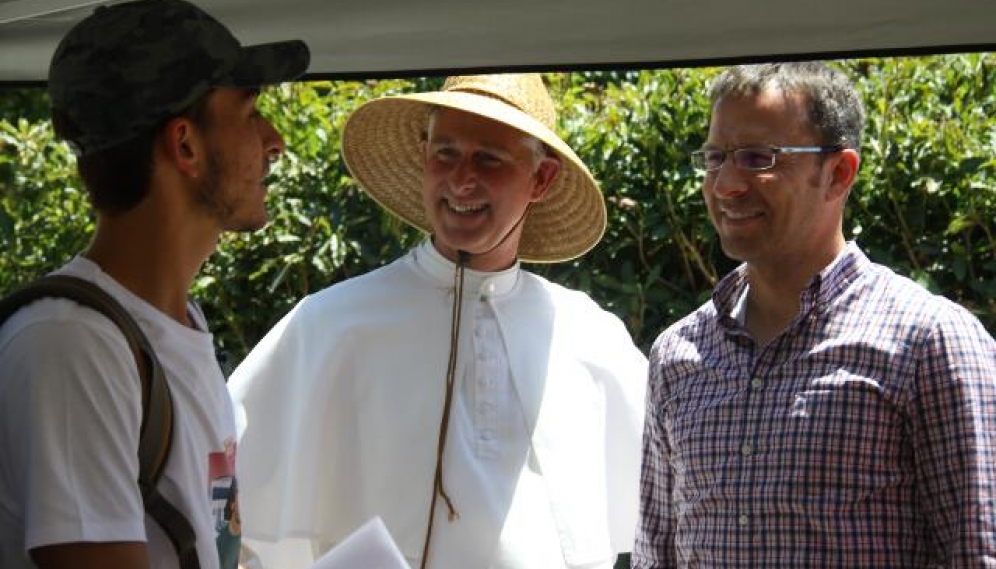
x=224 y=492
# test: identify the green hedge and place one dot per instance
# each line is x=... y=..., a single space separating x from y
x=924 y=203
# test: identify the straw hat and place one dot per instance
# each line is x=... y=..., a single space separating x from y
x=381 y=148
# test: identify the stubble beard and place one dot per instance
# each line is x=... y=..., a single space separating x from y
x=217 y=202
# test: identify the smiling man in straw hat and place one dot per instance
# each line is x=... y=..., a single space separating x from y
x=490 y=417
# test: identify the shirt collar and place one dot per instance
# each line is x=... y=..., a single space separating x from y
x=822 y=289
x=486 y=284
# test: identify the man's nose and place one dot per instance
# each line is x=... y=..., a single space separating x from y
x=463 y=175
x=273 y=143
x=727 y=181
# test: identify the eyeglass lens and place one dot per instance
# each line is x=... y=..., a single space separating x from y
x=743 y=158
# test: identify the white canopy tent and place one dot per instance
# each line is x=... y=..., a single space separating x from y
x=382 y=38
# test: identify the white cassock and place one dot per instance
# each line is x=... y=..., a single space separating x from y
x=341 y=402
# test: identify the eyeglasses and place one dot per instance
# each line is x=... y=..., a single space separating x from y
x=753 y=159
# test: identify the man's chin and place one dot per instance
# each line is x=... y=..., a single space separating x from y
x=248 y=225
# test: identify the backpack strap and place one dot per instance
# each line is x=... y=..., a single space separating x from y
x=156 y=432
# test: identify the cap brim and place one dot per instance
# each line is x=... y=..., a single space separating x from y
x=270 y=63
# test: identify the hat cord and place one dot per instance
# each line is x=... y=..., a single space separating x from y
x=437 y=485
x=444 y=423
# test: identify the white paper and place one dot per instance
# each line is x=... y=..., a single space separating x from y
x=369 y=547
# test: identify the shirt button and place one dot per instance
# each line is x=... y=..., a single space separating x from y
x=486 y=434
x=757 y=383
x=746 y=450
x=743 y=519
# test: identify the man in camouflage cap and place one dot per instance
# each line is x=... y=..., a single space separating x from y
x=158 y=101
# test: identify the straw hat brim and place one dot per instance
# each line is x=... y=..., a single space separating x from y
x=381 y=148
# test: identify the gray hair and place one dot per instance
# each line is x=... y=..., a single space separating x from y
x=539 y=148
x=835 y=108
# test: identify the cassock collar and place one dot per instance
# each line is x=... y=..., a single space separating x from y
x=486 y=284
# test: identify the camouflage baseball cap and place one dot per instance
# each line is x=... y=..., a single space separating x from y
x=126 y=67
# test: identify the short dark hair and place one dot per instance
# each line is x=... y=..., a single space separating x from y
x=117 y=179
x=835 y=108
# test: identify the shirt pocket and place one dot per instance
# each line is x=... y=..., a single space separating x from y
x=842 y=443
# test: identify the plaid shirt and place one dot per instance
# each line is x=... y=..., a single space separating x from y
x=862 y=436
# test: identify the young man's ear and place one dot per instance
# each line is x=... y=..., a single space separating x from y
x=183 y=146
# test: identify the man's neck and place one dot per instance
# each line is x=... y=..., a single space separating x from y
x=773 y=298
x=153 y=262
x=767 y=311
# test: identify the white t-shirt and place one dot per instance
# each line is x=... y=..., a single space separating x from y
x=70 y=411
